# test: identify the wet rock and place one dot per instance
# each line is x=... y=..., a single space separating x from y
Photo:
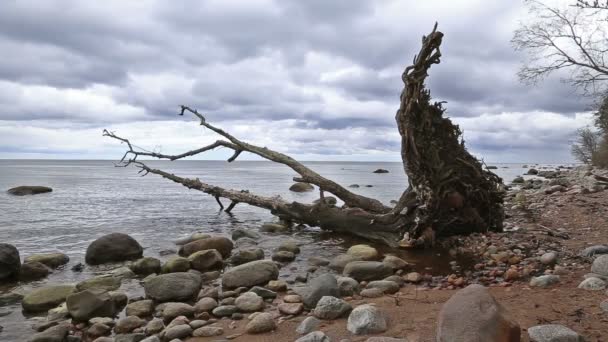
x=249 y=302
x=146 y=266
x=381 y=171
x=324 y=285
x=113 y=247
x=107 y=283
x=485 y=319
x=52 y=260
x=10 y=262
x=544 y=280
x=367 y=270
x=178 y=331
x=308 y=325
x=548 y=258
x=289 y=246
x=316 y=336
x=127 y=324
x=600 y=265
x=250 y=274
x=395 y=263
x=10 y=298
x=347 y=286
x=171 y=310
x=283 y=256
x=119 y=298
x=193 y=237
x=46 y=298
x=291 y=308
x=273 y=227
x=208 y=331
x=330 y=307
x=363 y=252
x=29 y=190
x=532 y=172
x=57 y=333
x=592 y=284
x=354 y=186
x=264 y=292
x=33 y=271
x=318 y=261
x=384 y=285
x=222 y=244
x=122 y=273
x=224 y=310
x=142 y=308
x=277 y=285
x=594 y=250
x=206 y=260
x=88 y=304
x=245 y=255
x=301 y=187
x=518 y=180
x=173 y=286
x=338 y=263
x=176 y=264
x=241 y=233
x=553 y=333
x=366 y=319
x=205 y=305
x=261 y=323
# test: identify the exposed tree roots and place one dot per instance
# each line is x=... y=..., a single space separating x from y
x=450 y=192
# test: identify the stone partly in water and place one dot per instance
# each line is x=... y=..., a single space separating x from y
x=485 y=319
x=88 y=304
x=241 y=233
x=600 y=265
x=146 y=266
x=29 y=190
x=52 y=260
x=10 y=262
x=250 y=274
x=192 y=237
x=57 y=333
x=273 y=227
x=105 y=282
x=324 y=285
x=245 y=255
x=395 y=263
x=176 y=264
x=113 y=247
x=367 y=270
x=261 y=323
x=46 y=298
x=366 y=319
x=33 y=271
x=363 y=252
x=381 y=171
x=301 y=187
x=553 y=333
x=221 y=244
x=173 y=286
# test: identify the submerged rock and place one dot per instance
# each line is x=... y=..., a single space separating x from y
x=301 y=187
x=52 y=260
x=29 y=190
x=33 y=271
x=273 y=227
x=241 y=233
x=250 y=274
x=10 y=262
x=113 y=247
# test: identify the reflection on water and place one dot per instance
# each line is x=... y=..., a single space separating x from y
x=93 y=198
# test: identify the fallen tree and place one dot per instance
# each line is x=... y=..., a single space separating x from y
x=450 y=191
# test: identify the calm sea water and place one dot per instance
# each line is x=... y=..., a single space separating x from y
x=93 y=198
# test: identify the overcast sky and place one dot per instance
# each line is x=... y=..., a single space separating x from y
x=316 y=79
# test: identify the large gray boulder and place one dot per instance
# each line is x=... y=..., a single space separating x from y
x=219 y=243
x=88 y=304
x=553 y=333
x=472 y=314
x=113 y=247
x=250 y=274
x=29 y=190
x=600 y=265
x=46 y=298
x=173 y=286
x=368 y=319
x=367 y=270
x=10 y=262
x=325 y=285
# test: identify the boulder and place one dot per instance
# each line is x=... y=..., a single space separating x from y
x=46 y=298
x=264 y=292
x=301 y=187
x=29 y=190
x=104 y=282
x=363 y=252
x=289 y=246
x=367 y=270
x=600 y=265
x=338 y=263
x=261 y=323
x=395 y=263
x=245 y=255
x=176 y=264
x=205 y=260
x=127 y=324
x=113 y=247
x=592 y=284
x=141 y=308
x=10 y=262
x=367 y=319
x=221 y=244
x=485 y=319
x=173 y=286
x=205 y=305
x=324 y=285
x=553 y=333
x=170 y=311
x=291 y=309
x=33 y=271
x=146 y=266
x=308 y=325
x=208 y=331
x=329 y=307
x=224 y=310
x=283 y=256
x=347 y=286
x=88 y=304
x=250 y=274
x=57 y=333
x=52 y=260
x=154 y=326
x=249 y=302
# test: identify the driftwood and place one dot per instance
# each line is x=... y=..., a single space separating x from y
x=450 y=191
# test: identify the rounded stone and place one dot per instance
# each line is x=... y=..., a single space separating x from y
x=261 y=323
x=52 y=260
x=363 y=252
x=46 y=298
x=249 y=302
x=113 y=247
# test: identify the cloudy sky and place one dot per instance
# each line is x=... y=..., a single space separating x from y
x=316 y=79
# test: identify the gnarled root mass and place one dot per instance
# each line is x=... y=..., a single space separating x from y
x=450 y=192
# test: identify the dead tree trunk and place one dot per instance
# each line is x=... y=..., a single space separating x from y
x=449 y=190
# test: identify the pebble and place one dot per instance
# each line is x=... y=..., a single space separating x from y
x=308 y=325
x=544 y=281
x=291 y=308
x=208 y=331
x=553 y=333
x=548 y=258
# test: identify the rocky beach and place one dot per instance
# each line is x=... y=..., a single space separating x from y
x=544 y=278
